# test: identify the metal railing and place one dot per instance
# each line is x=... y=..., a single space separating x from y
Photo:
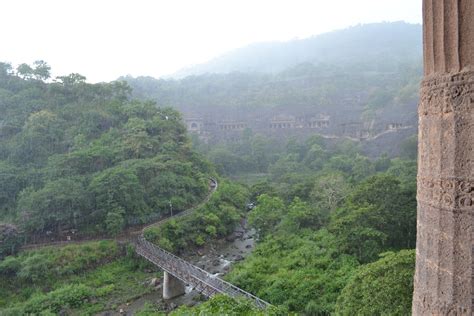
x=188 y=273
x=199 y=279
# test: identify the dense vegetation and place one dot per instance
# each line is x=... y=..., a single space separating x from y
x=333 y=232
x=85 y=157
x=215 y=219
x=306 y=87
x=223 y=305
x=83 y=279
x=335 y=228
x=217 y=305
x=325 y=215
x=384 y=287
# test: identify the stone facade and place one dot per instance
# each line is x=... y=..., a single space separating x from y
x=394 y=126
x=285 y=125
x=194 y=124
x=444 y=258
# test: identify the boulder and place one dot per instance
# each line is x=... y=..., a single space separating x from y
x=239 y=258
x=172 y=306
x=231 y=238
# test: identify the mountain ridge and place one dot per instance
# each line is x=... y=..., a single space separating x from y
x=366 y=42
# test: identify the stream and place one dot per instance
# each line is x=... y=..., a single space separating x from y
x=216 y=258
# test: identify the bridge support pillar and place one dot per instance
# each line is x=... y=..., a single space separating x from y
x=172 y=286
x=444 y=250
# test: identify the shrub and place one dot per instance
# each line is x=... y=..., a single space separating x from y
x=64 y=297
x=384 y=287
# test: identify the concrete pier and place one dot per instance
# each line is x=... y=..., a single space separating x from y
x=172 y=286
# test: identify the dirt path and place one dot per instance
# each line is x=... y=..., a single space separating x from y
x=216 y=258
x=130 y=233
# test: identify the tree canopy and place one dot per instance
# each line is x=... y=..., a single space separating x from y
x=87 y=157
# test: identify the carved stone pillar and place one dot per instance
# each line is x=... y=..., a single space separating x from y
x=444 y=252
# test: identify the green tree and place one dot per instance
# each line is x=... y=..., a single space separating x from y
x=329 y=191
x=71 y=79
x=301 y=215
x=315 y=157
x=114 y=221
x=362 y=168
x=227 y=162
x=115 y=189
x=266 y=215
x=5 y=70
x=59 y=204
x=41 y=70
x=11 y=182
x=394 y=204
x=41 y=136
x=259 y=154
x=79 y=155
x=378 y=215
x=357 y=233
x=263 y=187
x=302 y=271
x=25 y=71
x=384 y=287
x=10 y=239
x=137 y=142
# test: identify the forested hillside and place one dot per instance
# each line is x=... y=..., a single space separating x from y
x=320 y=88
x=87 y=158
x=382 y=61
x=364 y=44
x=361 y=80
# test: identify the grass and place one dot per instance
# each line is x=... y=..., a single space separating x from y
x=79 y=279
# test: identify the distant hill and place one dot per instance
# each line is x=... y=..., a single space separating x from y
x=363 y=80
x=391 y=42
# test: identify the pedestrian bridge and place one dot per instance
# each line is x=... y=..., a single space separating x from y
x=179 y=272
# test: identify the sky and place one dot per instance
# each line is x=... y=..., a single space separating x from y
x=105 y=39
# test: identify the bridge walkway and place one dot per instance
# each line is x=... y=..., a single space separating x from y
x=199 y=279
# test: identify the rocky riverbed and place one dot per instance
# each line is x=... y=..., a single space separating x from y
x=216 y=259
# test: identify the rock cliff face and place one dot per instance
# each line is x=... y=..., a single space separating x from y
x=381 y=134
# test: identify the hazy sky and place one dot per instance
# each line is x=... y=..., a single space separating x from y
x=104 y=39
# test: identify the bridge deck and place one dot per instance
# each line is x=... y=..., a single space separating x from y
x=199 y=279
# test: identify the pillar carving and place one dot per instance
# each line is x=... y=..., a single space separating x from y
x=444 y=255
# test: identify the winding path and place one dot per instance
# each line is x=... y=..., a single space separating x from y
x=201 y=280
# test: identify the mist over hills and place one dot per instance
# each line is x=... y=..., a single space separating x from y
x=391 y=42
x=361 y=80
